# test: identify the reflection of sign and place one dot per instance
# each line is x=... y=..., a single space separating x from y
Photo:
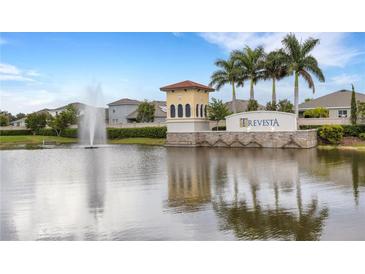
x=244 y=122
x=261 y=121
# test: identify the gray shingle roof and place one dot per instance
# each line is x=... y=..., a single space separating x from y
x=159 y=113
x=124 y=101
x=241 y=105
x=341 y=98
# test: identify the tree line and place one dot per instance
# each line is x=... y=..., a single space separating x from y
x=254 y=64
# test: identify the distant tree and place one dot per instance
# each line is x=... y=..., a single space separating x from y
x=146 y=112
x=353 y=107
x=4 y=120
x=36 y=121
x=63 y=120
x=20 y=116
x=252 y=105
x=217 y=111
x=271 y=106
x=285 y=106
x=308 y=99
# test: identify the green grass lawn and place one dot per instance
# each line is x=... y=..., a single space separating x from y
x=140 y=141
x=8 y=142
x=35 y=139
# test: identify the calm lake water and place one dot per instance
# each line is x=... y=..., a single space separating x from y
x=132 y=192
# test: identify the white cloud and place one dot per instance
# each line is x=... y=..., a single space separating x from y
x=177 y=34
x=331 y=51
x=9 y=69
x=345 y=79
x=12 y=73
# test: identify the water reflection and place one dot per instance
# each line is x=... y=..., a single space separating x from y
x=257 y=193
x=188 y=179
x=156 y=193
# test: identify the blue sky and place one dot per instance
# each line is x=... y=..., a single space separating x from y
x=39 y=70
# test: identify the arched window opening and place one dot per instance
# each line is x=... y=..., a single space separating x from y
x=197 y=111
x=201 y=110
x=180 y=110
x=205 y=111
x=172 y=111
x=187 y=110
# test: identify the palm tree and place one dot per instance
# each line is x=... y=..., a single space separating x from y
x=275 y=70
x=301 y=63
x=228 y=74
x=251 y=61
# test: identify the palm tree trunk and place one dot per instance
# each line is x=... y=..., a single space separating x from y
x=296 y=93
x=252 y=95
x=234 y=98
x=273 y=100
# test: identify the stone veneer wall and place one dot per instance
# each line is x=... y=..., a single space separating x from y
x=278 y=139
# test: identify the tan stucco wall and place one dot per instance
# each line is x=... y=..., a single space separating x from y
x=190 y=96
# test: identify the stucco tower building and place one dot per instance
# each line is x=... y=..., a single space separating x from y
x=186 y=104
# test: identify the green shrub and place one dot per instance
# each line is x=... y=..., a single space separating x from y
x=331 y=134
x=14 y=132
x=252 y=105
x=362 y=136
x=219 y=128
x=316 y=113
x=143 y=132
x=353 y=130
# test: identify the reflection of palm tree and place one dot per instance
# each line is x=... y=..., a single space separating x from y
x=256 y=222
x=259 y=223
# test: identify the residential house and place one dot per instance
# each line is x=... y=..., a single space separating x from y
x=125 y=111
x=338 y=103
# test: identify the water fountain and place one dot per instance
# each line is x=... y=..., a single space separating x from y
x=92 y=128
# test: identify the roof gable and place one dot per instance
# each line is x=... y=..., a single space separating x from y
x=185 y=85
x=341 y=98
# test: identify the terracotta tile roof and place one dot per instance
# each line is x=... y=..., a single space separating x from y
x=341 y=98
x=124 y=101
x=185 y=85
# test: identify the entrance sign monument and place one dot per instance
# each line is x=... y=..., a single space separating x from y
x=188 y=124
x=261 y=121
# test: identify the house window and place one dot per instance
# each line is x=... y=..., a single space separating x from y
x=113 y=110
x=180 y=111
x=187 y=110
x=197 y=111
x=201 y=110
x=342 y=113
x=172 y=111
x=205 y=110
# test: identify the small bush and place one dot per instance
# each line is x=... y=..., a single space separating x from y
x=144 y=132
x=362 y=136
x=68 y=132
x=14 y=132
x=252 y=105
x=353 y=130
x=271 y=106
x=219 y=128
x=316 y=113
x=331 y=134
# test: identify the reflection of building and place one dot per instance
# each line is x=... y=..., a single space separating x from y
x=187 y=106
x=188 y=178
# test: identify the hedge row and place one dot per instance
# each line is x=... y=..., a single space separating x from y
x=143 y=132
x=12 y=132
x=348 y=130
x=113 y=133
